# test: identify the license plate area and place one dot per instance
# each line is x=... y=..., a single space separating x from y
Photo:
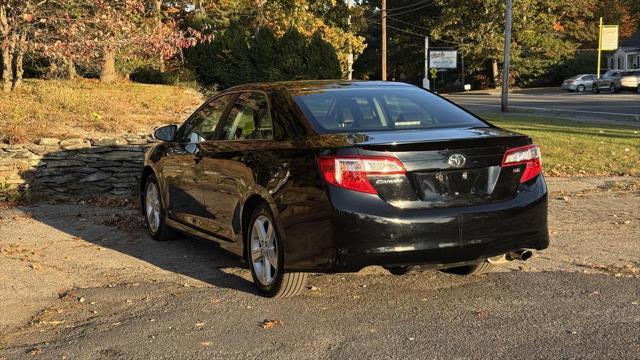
x=457 y=187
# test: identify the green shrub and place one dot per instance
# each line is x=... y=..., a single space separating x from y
x=149 y=75
x=229 y=60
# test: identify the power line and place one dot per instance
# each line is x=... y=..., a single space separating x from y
x=412 y=10
x=399 y=29
x=408 y=23
x=408 y=6
x=423 y=28
x=391 y=12
x=413 y=33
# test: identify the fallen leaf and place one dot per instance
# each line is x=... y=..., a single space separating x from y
x=52 y=322
x=35 y=352
x=270 y=324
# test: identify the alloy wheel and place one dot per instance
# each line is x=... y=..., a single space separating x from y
x=264 y=250
x=152 y=207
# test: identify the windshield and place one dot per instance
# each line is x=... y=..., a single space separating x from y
x=383 y=108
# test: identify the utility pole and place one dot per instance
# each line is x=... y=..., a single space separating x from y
x=462 y=64
x=426 y=83
x=507 y=56
x=384 y=40
x=350 y=56
x=599 y=50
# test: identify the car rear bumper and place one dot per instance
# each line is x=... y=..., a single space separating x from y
x=368 y=231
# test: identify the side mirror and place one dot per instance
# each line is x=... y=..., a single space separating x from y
x=166 y=133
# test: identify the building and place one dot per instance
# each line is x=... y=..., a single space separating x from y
x=628 y=54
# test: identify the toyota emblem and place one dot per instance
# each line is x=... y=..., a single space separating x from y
x=457 y=160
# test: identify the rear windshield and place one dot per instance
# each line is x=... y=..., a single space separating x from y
x=372 y=109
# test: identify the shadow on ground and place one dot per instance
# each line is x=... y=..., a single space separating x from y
x=123 y=230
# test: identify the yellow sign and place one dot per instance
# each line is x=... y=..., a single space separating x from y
x=434 y=73
x=609 y=39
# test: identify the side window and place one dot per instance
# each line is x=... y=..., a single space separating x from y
x=202 y=125
x=250 y=118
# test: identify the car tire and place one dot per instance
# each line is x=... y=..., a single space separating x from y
x=473 y=269
x=613 y=89
x=638 y=90
x=264 y=247
x=580 y=88
x=155 y=211
x=398 y=270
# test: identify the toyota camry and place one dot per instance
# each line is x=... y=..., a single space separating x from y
x=333 y=176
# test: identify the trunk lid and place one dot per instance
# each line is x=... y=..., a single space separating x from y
x=445 y=167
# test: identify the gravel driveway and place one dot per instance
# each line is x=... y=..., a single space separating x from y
x=83 y=281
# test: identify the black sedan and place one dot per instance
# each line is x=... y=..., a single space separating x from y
x=333 y=176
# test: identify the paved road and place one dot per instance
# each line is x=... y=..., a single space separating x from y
x=621 y=108
x=83 y=282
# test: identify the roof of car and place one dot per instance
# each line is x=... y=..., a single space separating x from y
x=316 y=85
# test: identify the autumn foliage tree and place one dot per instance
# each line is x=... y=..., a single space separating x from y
x=103 y=32
x=17 y=21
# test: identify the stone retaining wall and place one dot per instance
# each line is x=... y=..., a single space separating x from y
x=74 y=168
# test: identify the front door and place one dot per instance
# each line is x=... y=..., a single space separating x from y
x=182 y=168
x=230 y=162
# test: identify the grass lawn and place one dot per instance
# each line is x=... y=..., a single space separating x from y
x=573 y=148
x=87 y=108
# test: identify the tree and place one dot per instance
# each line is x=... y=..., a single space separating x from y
x=16 y=21
x=265 y=54
x=292 y=60
x=306 y=16
x=236 y=51
x=322 y=61
x=226 y=61
x=110 y=32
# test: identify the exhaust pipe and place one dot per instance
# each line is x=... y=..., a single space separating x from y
x=522 y=255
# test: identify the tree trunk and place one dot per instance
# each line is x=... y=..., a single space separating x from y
x=108 y=73
x=19 y=72
x=7 y=64
x=494 y=73
x=157 y=11
x=7 y=52
x=69 y=68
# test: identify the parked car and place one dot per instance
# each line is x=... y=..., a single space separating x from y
x=631 y=81
x=579 y=83
x=333 y=176
x=610 y=80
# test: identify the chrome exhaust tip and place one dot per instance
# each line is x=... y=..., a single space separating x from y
x=522 y=255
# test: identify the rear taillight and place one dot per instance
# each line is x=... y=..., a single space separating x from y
x=529 y=155
x=350 y=172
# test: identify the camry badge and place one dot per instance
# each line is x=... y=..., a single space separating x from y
x=457 y=160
